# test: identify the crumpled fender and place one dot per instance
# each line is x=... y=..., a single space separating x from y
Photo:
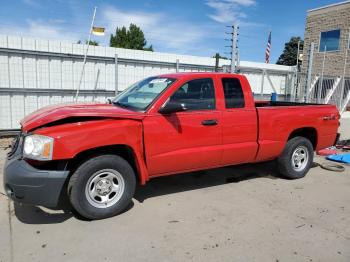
x=74 y=138
x=51 y=114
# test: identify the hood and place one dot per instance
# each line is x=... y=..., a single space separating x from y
x=54 y=113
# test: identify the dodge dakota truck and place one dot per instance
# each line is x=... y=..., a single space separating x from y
x=97 y=153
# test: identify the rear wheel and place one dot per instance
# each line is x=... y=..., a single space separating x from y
x=102 y=187
x=296 y=158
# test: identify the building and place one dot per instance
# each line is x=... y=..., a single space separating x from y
x=327 y=29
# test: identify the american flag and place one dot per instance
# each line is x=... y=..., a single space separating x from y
x=268 y=47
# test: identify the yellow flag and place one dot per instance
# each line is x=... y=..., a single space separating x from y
x=98 y=31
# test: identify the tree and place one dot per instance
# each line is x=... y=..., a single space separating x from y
x=120 y=39
x=150 y=48
x=92 y=42
x=132 y=38
x=290 y=52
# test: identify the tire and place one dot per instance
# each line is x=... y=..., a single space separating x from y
x=102 y=187
x=291 y=162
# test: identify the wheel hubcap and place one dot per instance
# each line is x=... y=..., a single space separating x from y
x=104 y=188
x=300 y=158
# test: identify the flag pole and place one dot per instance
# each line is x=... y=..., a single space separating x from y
x=85 y=55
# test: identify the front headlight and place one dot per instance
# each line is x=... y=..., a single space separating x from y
x=38 y=147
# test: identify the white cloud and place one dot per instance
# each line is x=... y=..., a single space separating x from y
x=242 y=2
x=118 y=17
x=32 y=3
x=161 y=31
x=166 y=34
x=229 y=11
x=55 y=30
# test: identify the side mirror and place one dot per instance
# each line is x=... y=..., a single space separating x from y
x=172 y=107
x=109 y=101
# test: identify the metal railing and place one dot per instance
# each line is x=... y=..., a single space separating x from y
x=323 y=90
x=315 y=85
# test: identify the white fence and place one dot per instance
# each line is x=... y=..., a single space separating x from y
x=35 y=73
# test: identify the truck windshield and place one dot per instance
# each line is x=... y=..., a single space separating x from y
x=141 y=94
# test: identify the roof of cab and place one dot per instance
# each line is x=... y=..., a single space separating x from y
x=186 y=74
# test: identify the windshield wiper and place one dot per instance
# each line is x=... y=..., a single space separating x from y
x=122 y=105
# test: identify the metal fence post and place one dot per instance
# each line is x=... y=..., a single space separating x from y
x=320 y=87
x=177 y=65
x=116 y=73
x=289 y=90
x=342 y=90
x=309 y=72
x=262 y=85
x=295 y=85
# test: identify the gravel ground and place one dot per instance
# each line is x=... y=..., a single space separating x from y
x=5 y=143
x=244 y=213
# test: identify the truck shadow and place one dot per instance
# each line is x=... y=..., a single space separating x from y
x=156 y=187
x=208 y=178
x=37 y=215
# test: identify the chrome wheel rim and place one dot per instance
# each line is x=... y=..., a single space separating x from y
x=300 y=158
x=104 y=188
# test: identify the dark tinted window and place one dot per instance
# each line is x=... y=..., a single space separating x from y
x=196 y=94
x=234 y=97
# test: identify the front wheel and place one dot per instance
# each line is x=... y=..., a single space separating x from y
x=296 y=158
x=102 y=187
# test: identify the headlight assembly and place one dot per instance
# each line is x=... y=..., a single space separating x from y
x=38 y=147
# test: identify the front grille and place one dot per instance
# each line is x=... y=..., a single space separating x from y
x=14 y=145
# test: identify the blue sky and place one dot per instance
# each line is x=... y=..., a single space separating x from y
x=195 y=27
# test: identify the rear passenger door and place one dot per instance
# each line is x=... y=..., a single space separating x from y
x=239 y=124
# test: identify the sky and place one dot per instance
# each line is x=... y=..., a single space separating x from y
x=191 y=27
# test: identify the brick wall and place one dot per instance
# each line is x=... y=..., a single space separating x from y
x=326 y=19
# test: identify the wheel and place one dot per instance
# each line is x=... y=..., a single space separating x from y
x=296 y=158
x=102 y=187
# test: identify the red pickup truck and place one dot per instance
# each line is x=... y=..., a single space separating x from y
x=97 y=153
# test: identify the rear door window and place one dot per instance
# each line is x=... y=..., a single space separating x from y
x=234 y=97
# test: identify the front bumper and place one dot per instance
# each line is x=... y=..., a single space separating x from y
x=26 y=184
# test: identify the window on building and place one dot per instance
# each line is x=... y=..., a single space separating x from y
x=234 y=97
x=330 y=40
x=196 y=94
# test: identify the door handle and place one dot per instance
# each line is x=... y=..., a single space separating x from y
x=209 y=122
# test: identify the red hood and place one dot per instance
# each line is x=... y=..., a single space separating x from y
x=53 y=113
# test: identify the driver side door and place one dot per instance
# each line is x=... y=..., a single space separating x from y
x=187 y=140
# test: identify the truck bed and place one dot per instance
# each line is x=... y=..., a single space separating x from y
x=282 y=103
x=277 y=120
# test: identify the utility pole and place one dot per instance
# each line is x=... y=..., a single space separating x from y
x=217 y=58
x=234 y=48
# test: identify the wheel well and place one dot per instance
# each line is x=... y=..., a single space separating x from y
x=124 y=151
x=307 y=132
